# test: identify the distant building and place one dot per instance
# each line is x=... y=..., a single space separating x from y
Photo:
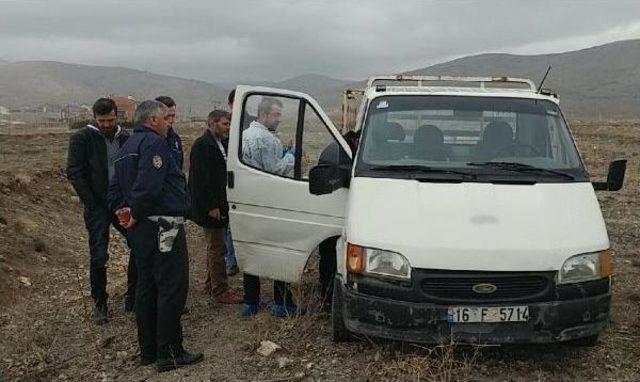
x=4 y=110
x=126 y=108
x=75 y=112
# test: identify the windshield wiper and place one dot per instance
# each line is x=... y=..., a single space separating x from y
x=421 y=169
x=521 y=167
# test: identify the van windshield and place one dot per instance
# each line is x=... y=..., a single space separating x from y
x=467 y=138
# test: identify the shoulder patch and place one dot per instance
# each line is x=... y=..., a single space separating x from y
x=157 y=161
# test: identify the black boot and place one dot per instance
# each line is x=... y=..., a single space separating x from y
x=129 y=304
x=147 y=360
x=184 y=358
x=100 y=314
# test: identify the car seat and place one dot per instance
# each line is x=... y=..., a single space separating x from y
x=428 y=143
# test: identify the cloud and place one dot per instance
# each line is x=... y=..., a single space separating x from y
x=224 y=41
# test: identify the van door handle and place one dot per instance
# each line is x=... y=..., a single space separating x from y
x=230 y=179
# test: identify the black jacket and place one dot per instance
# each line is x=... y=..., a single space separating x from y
x=87 y=167
x=208 y=182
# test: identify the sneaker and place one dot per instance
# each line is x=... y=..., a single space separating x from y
x=228 y=297
x=263 y=304
x=248 y=310
x=232 y=271
x=281 y=311
x=100 y=314
x=183 y=359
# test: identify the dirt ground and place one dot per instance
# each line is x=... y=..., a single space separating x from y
x=46 y=333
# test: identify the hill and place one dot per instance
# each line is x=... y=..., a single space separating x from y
x=29 y=83
x=326 y=90
x=602 y=81
x=598 y=82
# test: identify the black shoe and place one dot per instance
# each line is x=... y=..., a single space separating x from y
x=183 y=359
x=147 y=360
x=100 y=314
x=326 y=307
x=129 y=305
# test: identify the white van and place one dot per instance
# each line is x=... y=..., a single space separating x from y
x=466 y=215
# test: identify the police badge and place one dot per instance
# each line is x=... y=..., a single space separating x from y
x=157 y=161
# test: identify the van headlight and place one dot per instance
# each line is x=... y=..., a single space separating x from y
x=387 y=263
x=586 y=267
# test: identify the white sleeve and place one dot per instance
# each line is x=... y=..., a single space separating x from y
x=273 y=160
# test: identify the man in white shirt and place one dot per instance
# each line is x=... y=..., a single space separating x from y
x=263 y=150
x=260 y=147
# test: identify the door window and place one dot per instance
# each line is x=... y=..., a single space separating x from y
x=281 y=125
x=318 y=144
x=267 y=143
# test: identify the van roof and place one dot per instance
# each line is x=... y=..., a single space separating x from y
x=456 y=86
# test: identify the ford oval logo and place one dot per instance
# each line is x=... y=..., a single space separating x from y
x=484 y=288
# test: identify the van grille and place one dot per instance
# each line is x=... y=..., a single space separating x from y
x=509 y=286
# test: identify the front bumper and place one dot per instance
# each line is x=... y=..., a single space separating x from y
x=551 y=321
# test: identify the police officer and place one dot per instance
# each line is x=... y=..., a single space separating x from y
x=148 y=194
x=173 y=139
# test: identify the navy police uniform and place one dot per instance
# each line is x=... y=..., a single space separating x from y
x=175 y=144
x=148 y=180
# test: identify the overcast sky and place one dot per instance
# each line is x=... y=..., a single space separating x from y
x=232 y=40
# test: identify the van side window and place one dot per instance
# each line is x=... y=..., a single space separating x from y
x=318 y=144
x=285 y=136
x=267 y=143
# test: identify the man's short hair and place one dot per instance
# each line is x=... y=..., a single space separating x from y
x=267 y=103
x=218 y=114
x=104 y=106
x=166 y=100
x=146 y=109
x=231 y=97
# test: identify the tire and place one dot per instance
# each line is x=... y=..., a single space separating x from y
x=589 y=341
x=340 y=331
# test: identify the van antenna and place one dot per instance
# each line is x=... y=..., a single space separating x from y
x=543 y=78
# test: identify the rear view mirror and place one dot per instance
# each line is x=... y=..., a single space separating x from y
x=615 y=178
x=326 y=178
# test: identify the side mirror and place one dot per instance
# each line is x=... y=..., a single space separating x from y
x=326 y=178
x=615 y=178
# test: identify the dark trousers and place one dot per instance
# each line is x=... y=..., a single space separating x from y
x=97 y=220
x=161 y=293
x=327 y=271
x=281 y=291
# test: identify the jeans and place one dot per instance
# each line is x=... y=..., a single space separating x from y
x=97 y=221
x=230 y=256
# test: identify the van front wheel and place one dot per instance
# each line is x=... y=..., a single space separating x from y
x=340 y=332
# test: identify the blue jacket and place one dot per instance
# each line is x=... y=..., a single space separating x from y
x=147 y=178
x=175 y=144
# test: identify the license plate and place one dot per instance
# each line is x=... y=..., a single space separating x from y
x=488 y=314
